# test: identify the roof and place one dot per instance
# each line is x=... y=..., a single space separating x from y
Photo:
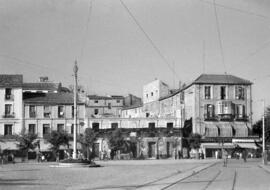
x=96 y=97
x=51 y=98
x=11 y=80
x=132 y=107
x=220 y=79
x=48 y=86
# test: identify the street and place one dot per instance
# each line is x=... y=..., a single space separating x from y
x=140 y=174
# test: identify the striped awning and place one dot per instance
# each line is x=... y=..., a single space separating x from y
x=249 y=145
x=211 y=130
x=225 y=130
x=241 y=130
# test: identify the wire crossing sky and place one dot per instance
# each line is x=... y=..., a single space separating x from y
x=122 y=45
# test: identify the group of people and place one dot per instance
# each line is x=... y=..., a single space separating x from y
x=225 y=155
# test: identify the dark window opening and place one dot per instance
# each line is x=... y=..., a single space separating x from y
x=47 y=112
x=170 y=126
x=72 y=111
x=72 y=129
x=60 y=111
x=60 y=127
x=114 y=125
x=32 y=111
x=207 y=92
x=152 y=94
x=95 y=126
x=46 y=129
x=96 y=111
x=8 y=129
x=117 y=101
x=7 y=110
x=223 y=92
x=8 y=94
x=109 y=105
x=151 y=126
x=147 y=114
x=32 y=129
x=96 y=101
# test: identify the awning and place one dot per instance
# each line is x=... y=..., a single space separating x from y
x=248 y=145
x=211 y=130
x=241 y=130
x=225 y=130
x=218 y=145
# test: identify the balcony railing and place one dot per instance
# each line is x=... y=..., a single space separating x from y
x=208 y=117
x=9 y=97
x=9 y=115
x=241 y=118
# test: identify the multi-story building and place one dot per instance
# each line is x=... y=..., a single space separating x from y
x=46 y=112
x=220 y=107
x=104 y=106
x=11 y=104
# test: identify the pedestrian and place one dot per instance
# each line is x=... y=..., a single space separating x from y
x=225 y=157
x=216 y=154
x=244 y=154
x=12 y=158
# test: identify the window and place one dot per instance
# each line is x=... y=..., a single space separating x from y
x=96 y=111
x=109 y=105
x=7 y=129
x=72 y=111
x=8 y=93
x=31 y=128
x=146 y=95
x=95 y=126
x=209 y=111
x=239 y=93
x=46 y=129
x=114 y=125
x=60 y=111
x=72 y=129
x=60 y=127
x=207 y=92
x=151 y=125
x=152 y=94
x=96 y=101
x=117 y=101
x=240 y=111
x=147 y=114
x=170 y=126
x=47 y=111
x=32 y=111
x=224 y=107
x=223 y=92
x=7 y=109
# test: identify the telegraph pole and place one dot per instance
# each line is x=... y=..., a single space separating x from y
x=75 y=70
x=264 y=156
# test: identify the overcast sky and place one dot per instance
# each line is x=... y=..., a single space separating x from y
x=44 y=37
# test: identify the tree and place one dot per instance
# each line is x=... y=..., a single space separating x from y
x=87 y=140
x=117 y=141
x=26 y=142
x=257 y=127
x=56 y=139
x=194 y=140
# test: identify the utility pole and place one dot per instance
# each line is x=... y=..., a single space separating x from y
x=75 y=70
x=264 y=156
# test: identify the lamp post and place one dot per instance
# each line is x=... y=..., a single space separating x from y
x=75 y=70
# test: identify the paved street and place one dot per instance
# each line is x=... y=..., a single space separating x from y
x=148 y=174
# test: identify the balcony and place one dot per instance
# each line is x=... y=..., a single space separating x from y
x=242 y=118
x=208 y=117
x=9 y=97
x=9 y=115
x=226 y=117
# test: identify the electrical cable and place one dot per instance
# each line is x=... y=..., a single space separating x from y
x=149 y=38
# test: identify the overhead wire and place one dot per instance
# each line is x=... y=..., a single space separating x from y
x=219 y=36
x=149 y=39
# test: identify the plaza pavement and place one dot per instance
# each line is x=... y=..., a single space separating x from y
x=124 y=174
x=139 y=174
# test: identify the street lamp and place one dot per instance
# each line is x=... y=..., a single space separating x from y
x=75 y=69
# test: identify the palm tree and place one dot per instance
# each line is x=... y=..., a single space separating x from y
x=26 y=142
x=56 y=139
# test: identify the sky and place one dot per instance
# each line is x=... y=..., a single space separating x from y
x=116 y=56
